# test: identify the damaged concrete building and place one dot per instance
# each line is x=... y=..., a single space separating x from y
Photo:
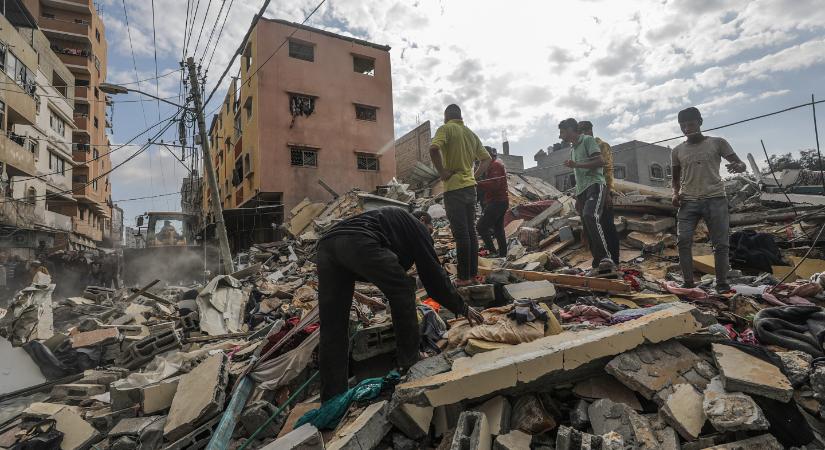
x=316 y=120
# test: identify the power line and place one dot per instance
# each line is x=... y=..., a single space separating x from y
x=155 y=48
x=132 y=50
x=218 y=39
x=738 y=122
x=212 y=33
x=100 y=145
x=115 y=167
x=191 y=28
x=203 y=25
x=65 y=98
x=146 y=197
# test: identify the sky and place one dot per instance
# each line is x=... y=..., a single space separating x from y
x=515 y=68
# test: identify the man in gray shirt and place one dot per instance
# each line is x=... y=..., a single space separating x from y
x=699 y=193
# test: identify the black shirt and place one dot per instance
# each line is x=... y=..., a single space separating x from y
x=408 y=238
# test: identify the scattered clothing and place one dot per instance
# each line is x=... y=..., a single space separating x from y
x=691 y=293
x=792 y=327
x=754 y=250
x=525 y=310
x=332 y=411
x=586 y=313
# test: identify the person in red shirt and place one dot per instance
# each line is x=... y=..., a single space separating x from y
x=496 y=202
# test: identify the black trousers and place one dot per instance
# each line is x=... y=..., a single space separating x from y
x=598 y=226
x=491 y=224
x=342 y=260
x=460 y=205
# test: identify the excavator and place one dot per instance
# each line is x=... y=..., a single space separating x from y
x=170 y=248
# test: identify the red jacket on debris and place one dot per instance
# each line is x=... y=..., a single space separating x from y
x=494 y=184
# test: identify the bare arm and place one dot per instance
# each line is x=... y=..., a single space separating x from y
x=592 y=163
x=435 y=156
x=483 y=165
x=736 y=165
x=677 y=185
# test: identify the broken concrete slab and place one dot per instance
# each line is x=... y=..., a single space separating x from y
x=200 y=395
x=445 y=418
x=138 y=432
x=478 y=295
x=18 y=368
x=514 y=440
x=605 y=386
x=297 y=411
x=255 y=414
x=797 y=365
x=42 y=410
x=538 y=291
x=666 y=435
x=650 y=368
x=366 y=431
x=635 y=430
x=653 y=224
x=472 y=432
x=76 y=391
x=101 y=336
x=77 y=433
x=732 y=411
x=545 y=358
x=745 y=373
x=158 y=397
x=414 y=421
x=498 y=413
x=683 y=411
x=763 y=442
x=305 y=437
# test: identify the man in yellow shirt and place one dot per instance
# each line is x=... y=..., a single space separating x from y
x=454 y=150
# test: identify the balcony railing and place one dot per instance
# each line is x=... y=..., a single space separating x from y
x=17 y=213
x=74 y=26
x=57 y=221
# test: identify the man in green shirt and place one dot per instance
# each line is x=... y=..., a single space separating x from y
x=454 y=150
x=591 y=193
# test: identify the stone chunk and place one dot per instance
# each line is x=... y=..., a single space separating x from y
x=605 y=386
x=732 y=411
x=158 y=397
x=255 y=414
x=101 y=336
x=365 y=432
x=650 y=368
x=650 y=224
x=539 y=291
x=683 y=411
x=472 y=432
x=200 y=395
x=414 y=421
x=763 y=442
x=635 y=430
x=579 y=417
x=497 y=410
x=745 y=373
x=571 y=439
x=530 y=416
x=798 y=366
x=478 y=295
x=76 y=391
x=77 y=433
x=305 y=437
x=514 y=440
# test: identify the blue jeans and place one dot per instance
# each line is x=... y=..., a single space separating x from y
x=717 y=218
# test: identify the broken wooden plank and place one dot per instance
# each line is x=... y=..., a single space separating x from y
x=704 y=264
x=141 y=291
x=512 y=227
x=570 y=281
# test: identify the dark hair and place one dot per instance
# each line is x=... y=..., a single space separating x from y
x=452 y=111
x=491 y=150
x=585 y=125
x=569 y=124
x=428 y=219
x=689 y=114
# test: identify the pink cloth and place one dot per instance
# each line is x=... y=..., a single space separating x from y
x=798 y=301
x=772 y=300
x=586 y=313
x=692 y=293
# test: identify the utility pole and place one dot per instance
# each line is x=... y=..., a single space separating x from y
x=217 y=211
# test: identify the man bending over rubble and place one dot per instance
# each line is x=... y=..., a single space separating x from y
x=699 y=193
x=378 y=247
x=454 y=150
x=591 y=194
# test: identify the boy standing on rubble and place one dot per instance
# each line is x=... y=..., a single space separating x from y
x=496 y=202
x=454 y=150
x=699 y=193
x=379 y=247
x=586 y=127
x=591 y=194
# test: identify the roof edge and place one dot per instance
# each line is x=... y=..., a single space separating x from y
x=385 y=48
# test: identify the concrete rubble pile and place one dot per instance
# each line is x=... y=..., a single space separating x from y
x=563 y=360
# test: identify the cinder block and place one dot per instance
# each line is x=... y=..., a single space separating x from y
x=198 y=438
x=373 y=341
x=105 y=419
x=497 y=410
x=366 y=431
x=123 y=397
x=142 y=351
x=76 y=391
x=472 y=432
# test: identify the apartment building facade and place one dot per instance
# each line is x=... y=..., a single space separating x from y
x=77 y=36
x=319 y=111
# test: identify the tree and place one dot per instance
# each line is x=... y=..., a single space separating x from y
x=808 y=159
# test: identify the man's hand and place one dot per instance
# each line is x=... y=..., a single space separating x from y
x=676 y=200
x=736 y=167
x=446 y=174
x=570 y=163
x=474 y=316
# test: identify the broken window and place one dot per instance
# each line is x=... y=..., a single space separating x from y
x=366 y=113
x=300 y=105
x=247 y=56
x=247 y=164
x=31 y=195
x=303 y=157
x=237 y=172
x=301 y=50
x=668 y=171
x=363 y=65
x=619 y=172
x=367 y=161
x=247 y=106
x=657 y=172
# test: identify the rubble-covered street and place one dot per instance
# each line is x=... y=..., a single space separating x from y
x=562 y=360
